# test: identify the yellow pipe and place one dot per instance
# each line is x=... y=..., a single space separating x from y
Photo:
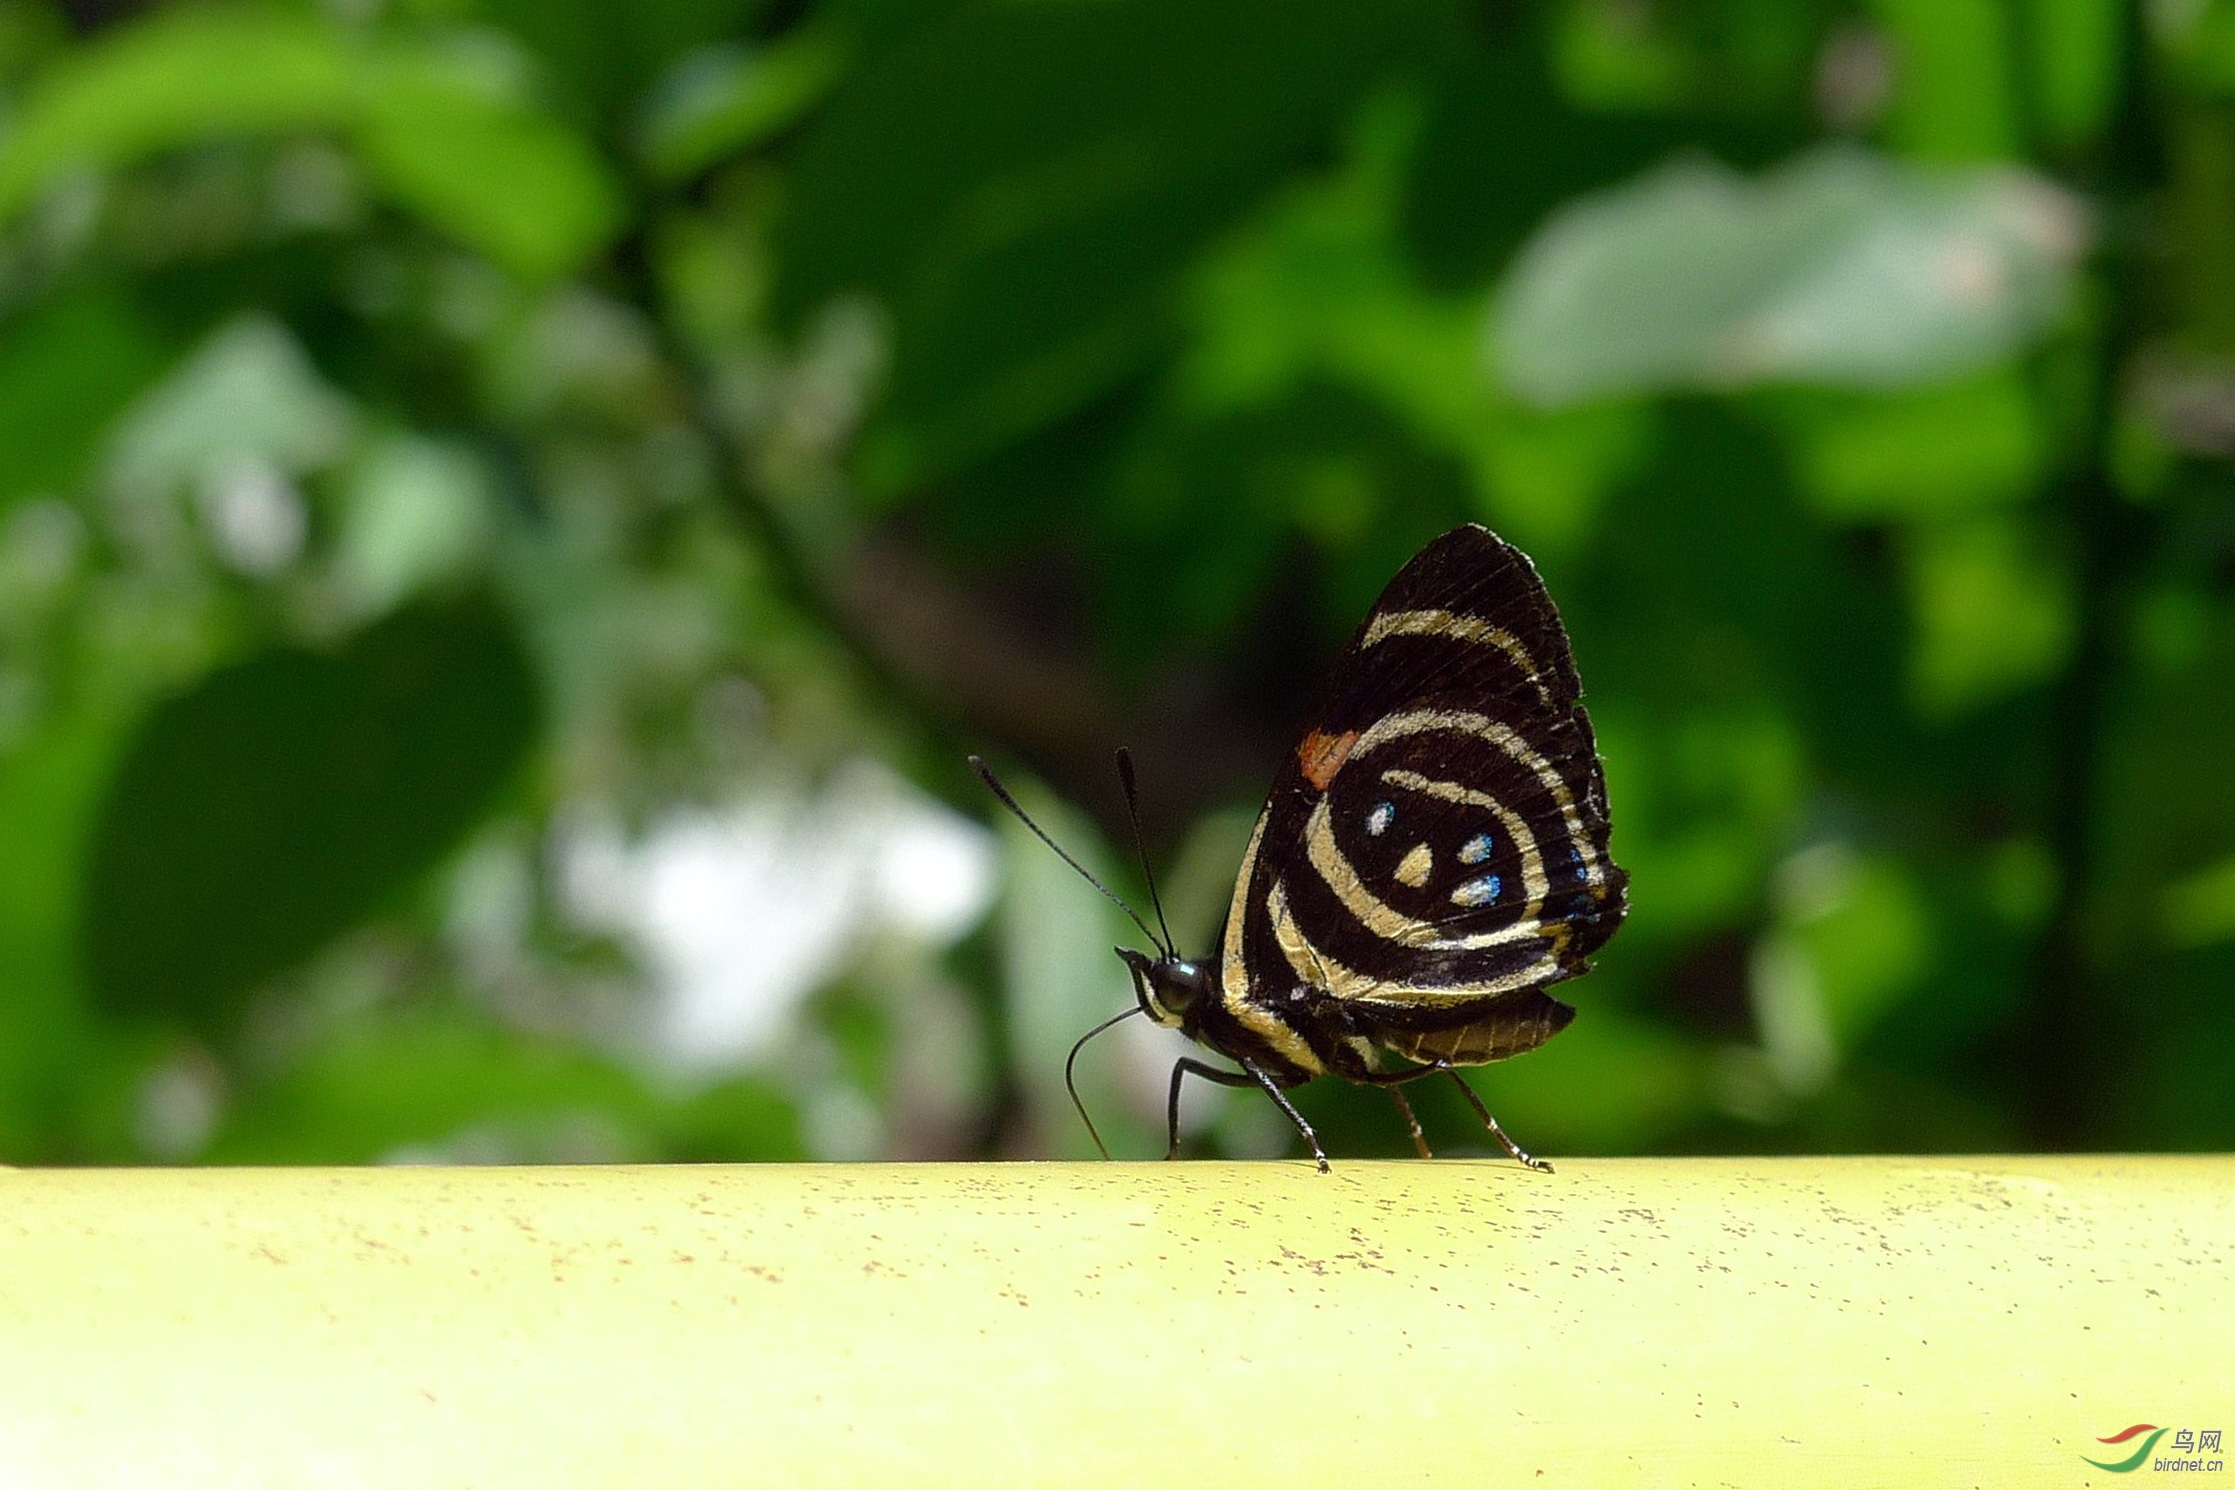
x=1775 y=1322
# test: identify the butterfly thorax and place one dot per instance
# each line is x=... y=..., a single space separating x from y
x=1187 y=995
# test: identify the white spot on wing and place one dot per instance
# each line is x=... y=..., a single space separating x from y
x=1477 y=892
x=1417 y=721
x=1413 y=870
x=1385 y=921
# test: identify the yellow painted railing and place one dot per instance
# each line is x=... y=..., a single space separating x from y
x=1928 y=1321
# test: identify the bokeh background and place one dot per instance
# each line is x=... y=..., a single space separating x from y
x=513 y=513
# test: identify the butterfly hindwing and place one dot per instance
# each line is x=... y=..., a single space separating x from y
x=1433 y=854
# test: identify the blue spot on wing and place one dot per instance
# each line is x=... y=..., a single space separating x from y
x=1477 y=891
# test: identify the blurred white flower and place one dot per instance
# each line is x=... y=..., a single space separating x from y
x=416 y=511
x=248 y=396
x=739 y=914
x=180 y=1102
x=254 y=514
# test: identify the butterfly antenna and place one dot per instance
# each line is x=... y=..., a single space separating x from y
x=1141 y=844
x=985 y=771
x=1072 y=1087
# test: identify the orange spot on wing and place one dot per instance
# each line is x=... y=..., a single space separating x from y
x=1322 y=755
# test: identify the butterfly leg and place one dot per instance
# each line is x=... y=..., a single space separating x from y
x=1280 y=1100
x=1181 y=1069
x=1474 y=1100
x=1412 y=1123
x=1228 y=1077
x=1395 y=1081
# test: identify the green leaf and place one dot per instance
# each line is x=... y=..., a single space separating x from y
x=498 y=176
x=1502 y=143
x=1922 y=452
x=1706 y=797
x=424 y=1081
x=1021 y=185
x=285 y=798
x=29 y=34
x=603 y=55
x=1212 y=510
x=1994 y=612
x=2176 y=1094
x=1642 y=1081
x=1840 y=267
x=1713 y=604
x=2200 y=909
x=725 y=101
x=443 y=1083
x=50 y=792
x=468 y=159
x=2199 y=43
x=2168 y=810
x=1863 y=923
x=1953 y=75
x=66 y=369
x=1499 y=148
x=2075 y=58
x=178 y=78
x=1317 y=291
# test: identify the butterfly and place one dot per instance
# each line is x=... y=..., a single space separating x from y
x=1431 y=859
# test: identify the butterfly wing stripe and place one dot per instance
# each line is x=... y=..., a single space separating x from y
x=1459 y=628
x=1385 y=920
x=1316 y=967
x=1418 y=721
x=1234 y=979
x=1233 y=973
x=1303 y=958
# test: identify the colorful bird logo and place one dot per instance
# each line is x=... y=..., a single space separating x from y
x=2128 y=1466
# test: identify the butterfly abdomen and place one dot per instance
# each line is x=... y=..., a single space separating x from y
x=1512 y=1027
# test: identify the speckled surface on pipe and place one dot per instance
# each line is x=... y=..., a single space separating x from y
x=1776 y=1322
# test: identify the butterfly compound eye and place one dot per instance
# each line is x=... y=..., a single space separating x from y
x=1168 y=987
x=1179 y=984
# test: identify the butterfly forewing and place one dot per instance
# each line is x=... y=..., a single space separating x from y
x=1433 y=854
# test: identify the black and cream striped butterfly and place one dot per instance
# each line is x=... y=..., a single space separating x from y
x=1432 y=858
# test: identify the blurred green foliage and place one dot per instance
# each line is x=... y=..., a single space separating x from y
x=511 y=515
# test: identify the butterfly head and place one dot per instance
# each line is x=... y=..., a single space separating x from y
x=1172 y=990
